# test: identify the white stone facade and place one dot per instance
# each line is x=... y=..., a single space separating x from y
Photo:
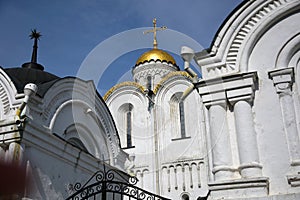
x=168 y=145
x=233 y=134
x=59 y=138
x=241 y=124
x=252 y=68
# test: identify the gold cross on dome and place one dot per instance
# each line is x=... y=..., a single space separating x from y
x=154 y=30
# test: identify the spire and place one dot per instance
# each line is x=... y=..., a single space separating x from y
x=36 y=36
x=154 y=30
x=33 y=64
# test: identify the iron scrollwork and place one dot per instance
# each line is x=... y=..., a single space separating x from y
x=111 y=184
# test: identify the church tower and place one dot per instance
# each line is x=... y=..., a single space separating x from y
x=160 y=129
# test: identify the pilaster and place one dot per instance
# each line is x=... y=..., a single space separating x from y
x=283 y=80
x=235 y=93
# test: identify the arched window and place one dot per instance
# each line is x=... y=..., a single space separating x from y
x=177 y=116
x=125 y=125
x=182 y=119
x=149 y=83
x=128 y=119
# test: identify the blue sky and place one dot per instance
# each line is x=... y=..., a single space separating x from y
x=72 y=29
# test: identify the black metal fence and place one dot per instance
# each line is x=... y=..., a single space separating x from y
x=111 y=185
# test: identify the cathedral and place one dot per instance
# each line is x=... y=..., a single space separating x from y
x=163 y=139
x=230 y=133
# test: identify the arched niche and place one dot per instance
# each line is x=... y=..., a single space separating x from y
x=289 y=54
x=74 y=121
x=72 y=102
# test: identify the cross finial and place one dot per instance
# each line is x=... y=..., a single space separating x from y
x=36 y=36
x=154 y=30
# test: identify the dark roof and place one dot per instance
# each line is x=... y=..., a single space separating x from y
x=22 y=76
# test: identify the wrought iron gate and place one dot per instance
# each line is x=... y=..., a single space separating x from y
x=105 y=186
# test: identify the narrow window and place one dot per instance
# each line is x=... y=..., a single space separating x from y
x=128 y=128
x=149 y=83
x=128 y=119
x=177 y=115
x=182 y=120
x=125 y=125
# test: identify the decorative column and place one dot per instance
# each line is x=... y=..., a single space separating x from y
x=247 y=140
x=220 y=142
x=283 y=80
x=233 y=94
x=241 y=96
x=213 y=96
x=238 y=91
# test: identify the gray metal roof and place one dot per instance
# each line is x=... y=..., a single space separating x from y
x=22 y=76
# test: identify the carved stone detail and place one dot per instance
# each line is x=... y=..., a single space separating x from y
x=70 y=92
x=227 y=51
x=156 y=70
x=4 y=99
x=283 y=80
x=237 y=92
x=188 y=171
x=247 y=27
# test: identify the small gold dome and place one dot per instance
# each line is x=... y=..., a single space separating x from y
x=155 y=54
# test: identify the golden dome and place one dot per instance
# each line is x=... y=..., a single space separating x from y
x=155 y=54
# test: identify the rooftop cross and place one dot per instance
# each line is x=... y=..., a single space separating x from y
x=154 y=30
